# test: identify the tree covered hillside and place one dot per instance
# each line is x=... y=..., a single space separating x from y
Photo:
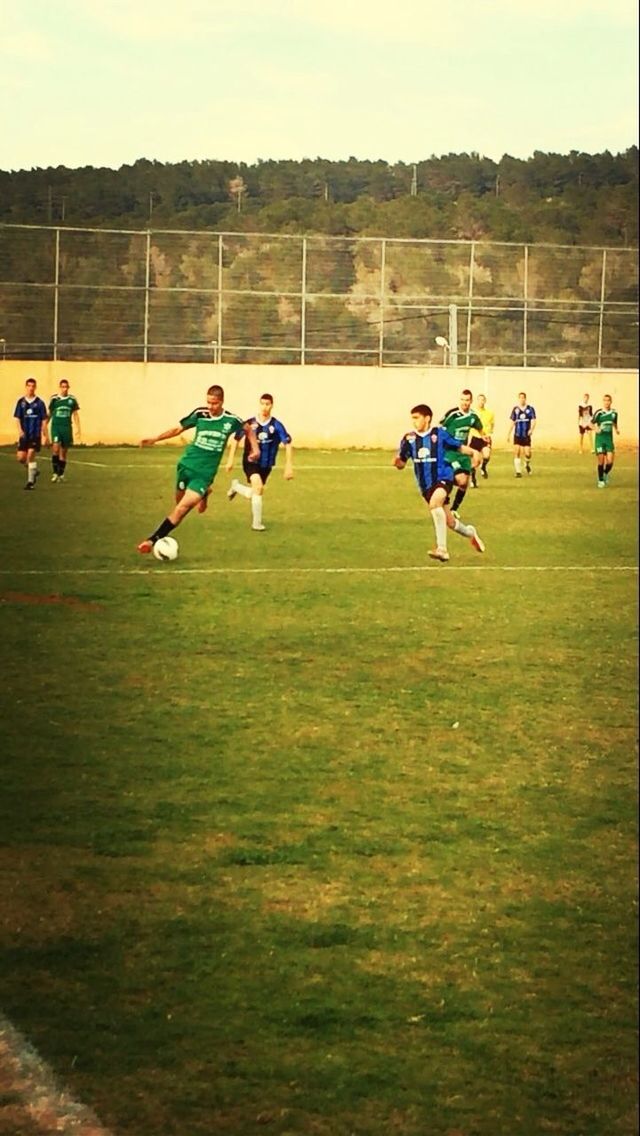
x=576 y=199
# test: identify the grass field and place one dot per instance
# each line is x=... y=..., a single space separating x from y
x=307 y=835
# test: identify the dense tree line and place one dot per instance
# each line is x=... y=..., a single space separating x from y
x=574 y=199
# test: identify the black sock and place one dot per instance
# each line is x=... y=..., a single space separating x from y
x=62 y=465
x=458 y=499
x=164 y=529
x=608 y=467
x=54 y=463
x=484 y=464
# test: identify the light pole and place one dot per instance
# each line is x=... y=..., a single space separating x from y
x=214 y=345
x=444 y=344
x=3 y=345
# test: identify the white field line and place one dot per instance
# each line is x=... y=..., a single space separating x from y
x=165 y=571
x=32 y=1098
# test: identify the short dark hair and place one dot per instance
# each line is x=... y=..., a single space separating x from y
x=522 y=394
x=423 y=409
x=66 y=381
x=31 y=380
x=467 y=392
x=268 y=396
x=216 y=389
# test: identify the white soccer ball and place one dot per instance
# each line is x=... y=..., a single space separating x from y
x=166 y=548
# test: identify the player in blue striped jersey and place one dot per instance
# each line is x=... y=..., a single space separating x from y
x=523 y=423
x=32 y=416
x=270 y=434
x=426 y=445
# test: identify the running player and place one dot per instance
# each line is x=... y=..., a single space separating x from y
x=63 y=412
x=523 y=423
x=428 y=448
x=31 y=415
x=197 y=468
x=270 y=434
x=488 y=419
x=604 y=422
x=459 y=421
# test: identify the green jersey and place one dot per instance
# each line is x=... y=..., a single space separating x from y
x=204 y=452
x=606 y=420
x=460 y=422
x=61 y=408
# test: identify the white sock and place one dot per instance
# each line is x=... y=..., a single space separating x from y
x=440 y=525
x=518 y=464
x=256 y=508
x=32 y=469
x=463 y=530
x=243 y=490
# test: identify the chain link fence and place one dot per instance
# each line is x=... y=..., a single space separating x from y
x=163 y=296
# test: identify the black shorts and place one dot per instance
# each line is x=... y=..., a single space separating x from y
x=584 y=429
x=262 y=471
x=446 y=485
x=477 y=444
x=25 y=444
x=524 y=440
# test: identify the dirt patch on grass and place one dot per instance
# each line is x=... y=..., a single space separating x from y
x=52 y=599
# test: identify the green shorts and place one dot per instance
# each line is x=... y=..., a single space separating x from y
x=460 y=463
x=603 y=444
x=61 y=436
x=187 y=477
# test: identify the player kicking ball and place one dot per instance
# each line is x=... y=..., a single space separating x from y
x=425 y=446
x=197 y=469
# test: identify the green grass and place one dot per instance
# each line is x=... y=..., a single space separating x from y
x=253 y=879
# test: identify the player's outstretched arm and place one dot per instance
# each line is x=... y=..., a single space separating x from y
x=175 y=432
x=254 y=452
x=231 y=453
x=399 y=462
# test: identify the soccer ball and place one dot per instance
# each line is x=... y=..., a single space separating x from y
x=166 y=548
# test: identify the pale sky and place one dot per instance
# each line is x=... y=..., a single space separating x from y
x=105 y=82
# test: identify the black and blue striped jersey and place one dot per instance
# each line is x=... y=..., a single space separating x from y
x=270 y=435
x=427 y=452
x=522 y=417
x=31 y=414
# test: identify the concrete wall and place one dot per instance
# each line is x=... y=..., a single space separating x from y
x=323 y=407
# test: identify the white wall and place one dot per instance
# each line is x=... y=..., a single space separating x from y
x=323 y=407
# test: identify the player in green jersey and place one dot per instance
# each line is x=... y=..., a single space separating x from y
x=198 y=466
x=604 y=422
x=63 y=415
x=459 y=421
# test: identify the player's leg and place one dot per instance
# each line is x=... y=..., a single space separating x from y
x=517 y=460
x=438 y=499
x=257 y=481
x=55 y=459
x=485 y=461
x=32 y=466
x=468 y=531
x=600 y=455
x=462 y=483
x=527 y=458
x=62 y=460
x=608 y=464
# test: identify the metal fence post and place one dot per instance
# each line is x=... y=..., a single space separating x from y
x=453 y=335
x=472 y=255
x=147 y=278
x=602 y=295
x=56 y=296
x=303 y=302
x=383 y=264
x=219 y=297
x=525 y=306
